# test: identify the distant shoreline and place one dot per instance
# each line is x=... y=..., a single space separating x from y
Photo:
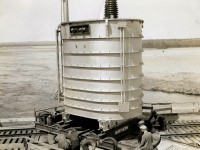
x=150 y=43
x=28 y=43
x=171 y=43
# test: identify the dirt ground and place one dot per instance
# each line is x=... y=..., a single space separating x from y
x=28 y=78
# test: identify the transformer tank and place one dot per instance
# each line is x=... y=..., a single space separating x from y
x=102 y=68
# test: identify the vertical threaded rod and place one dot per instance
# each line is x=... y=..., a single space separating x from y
x=111 y=9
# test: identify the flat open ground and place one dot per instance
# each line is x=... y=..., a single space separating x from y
x=28 y=78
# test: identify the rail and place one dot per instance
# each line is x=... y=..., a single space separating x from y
x=186 y=132
x=20 y=132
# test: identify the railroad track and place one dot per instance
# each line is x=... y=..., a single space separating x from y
x=20 y=132
x=186 y=132
x=14 y=138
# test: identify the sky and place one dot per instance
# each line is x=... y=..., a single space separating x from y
x=37 y=20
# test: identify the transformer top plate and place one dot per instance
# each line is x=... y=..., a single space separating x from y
x=102 y=20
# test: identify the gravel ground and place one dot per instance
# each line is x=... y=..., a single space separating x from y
x=171 y=75
x=182 y=83
x=28 y=78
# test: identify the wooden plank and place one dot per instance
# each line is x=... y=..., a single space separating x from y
x=183 y=129
x=191 y=138
x=189 y=122
x=2 y=141
x=181 y=139
x=188 y=141
x=7 y=132
x=198 y=127
x=186 y=129
x=33 y=131
x=24 y=131
x=8 y=141
x=174 y=130
x=185 y=122
x=197 y=138
x=194 y=140
x=14 y=140
x=3 y=132
x=170 y=131
x=13 y=132
x=20 y=140
x=178 y=122
x=195 y=121
x=192 y=128
x=180 y=130
x=29 y=131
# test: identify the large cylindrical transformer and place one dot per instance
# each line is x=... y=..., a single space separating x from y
x=102 y=63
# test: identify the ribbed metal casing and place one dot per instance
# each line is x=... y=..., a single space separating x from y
x=102 y=72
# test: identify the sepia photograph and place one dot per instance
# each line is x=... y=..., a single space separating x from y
x=99 y=75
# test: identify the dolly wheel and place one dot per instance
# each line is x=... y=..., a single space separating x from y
x=111 y=139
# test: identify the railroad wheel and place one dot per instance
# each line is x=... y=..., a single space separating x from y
x=112 y=140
